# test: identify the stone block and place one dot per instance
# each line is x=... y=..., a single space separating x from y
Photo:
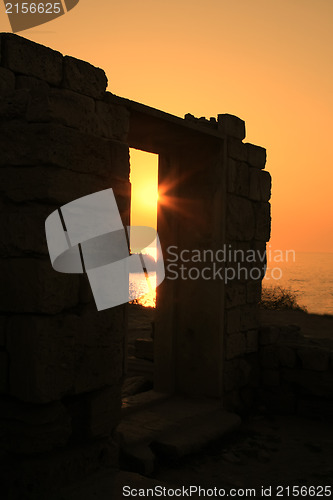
x=43 y=144
x=4 y=363
x=245 y=369
x=252 y=341
x=29 y=58
x=235 y=294
x=14 y=106
x=62 y=106
x=64 y=355
x=255 y=192
x=287 y=356
x=271 y=378
x=263 y=221
x=36 y=477
x=265 y=185
x=269 y=357
x=231 y=125
x=314 y=358
x=31 y=83
x=30 y=429
x=56 y=186
x=240 y=219
x=235 y=345
x=95 y=414
x=233 y=320
x=7 y=82
x=30 y=285
x=84 y=78
x=268 y=335
x=236 y=149
x=238 y=178
x=249 y=315
x=113 y=121
x=309 y=382
x=253 y=292
x=256 y=155
x=23 y=228
x=144 y=349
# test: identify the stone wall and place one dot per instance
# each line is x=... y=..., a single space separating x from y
x=61 y=362
x=248 y=224
x=62 y=136
x=296 y=372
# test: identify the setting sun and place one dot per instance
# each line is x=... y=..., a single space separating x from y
x=144 y=180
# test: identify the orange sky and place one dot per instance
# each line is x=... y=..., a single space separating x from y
x=267 y=61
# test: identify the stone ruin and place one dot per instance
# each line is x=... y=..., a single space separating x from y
x=63 y=136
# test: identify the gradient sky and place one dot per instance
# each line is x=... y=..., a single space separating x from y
x=267 y=61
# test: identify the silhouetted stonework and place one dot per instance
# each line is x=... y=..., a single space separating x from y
x=61 y=363
x=62 y=136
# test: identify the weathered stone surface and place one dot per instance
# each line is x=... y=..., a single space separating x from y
x=265 y=185
x=23 y=229
x=233 y=320
x=31 y=83
x=240 y=218
x=13 y=106
x=271 y=378
x=31 y=286
x=314 y=358
x=255 y=193
x=253 y=292
x=40 y=478
x=268 y=335
x=269 y=357
x=3 y=372
x=84 y=78
x=260 y=185
x=113 y=121
x=31 y=429
x=252 y=341
x=249 y=317
x=43 y=144
x=235 y=345
x=236 y=149
x=7 y=82
x=56 y=186
x=30 y=58
x=63 y=355
x=263 y=221
x=144 y=349
x=231 y=125
x=235 y=294
x=95 y=414
x=256 y=155
x=62 y=106
x=238 y=178
x=309 y=381
x=287 y=356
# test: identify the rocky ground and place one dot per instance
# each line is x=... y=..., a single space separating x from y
x=266 y=450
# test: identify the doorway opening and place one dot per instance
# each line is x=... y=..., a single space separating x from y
x=141 y=315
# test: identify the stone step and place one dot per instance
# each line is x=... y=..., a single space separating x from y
x=198 y=435
x=136 y=366
x=173 y=428
x=144 y=349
